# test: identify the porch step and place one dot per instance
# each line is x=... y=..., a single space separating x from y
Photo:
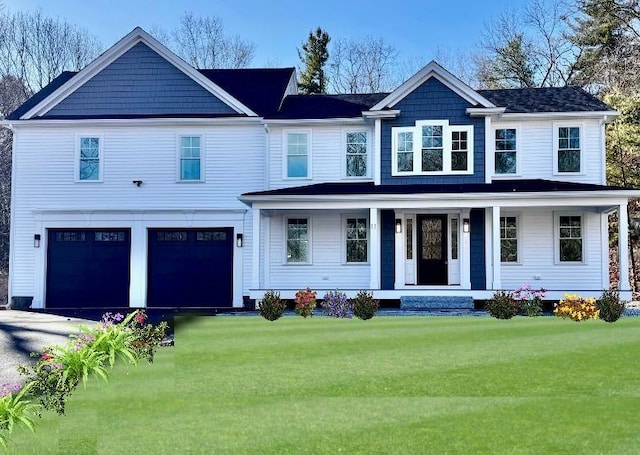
x=436 y=302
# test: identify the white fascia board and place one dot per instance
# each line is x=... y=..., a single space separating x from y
x=135 y=122
x=314 y=121
x=608 y=116
x=136 y=36
x=433 y=69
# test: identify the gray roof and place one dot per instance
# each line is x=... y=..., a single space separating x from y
x=546 y=99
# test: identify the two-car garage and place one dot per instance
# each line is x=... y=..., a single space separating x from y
x=90 y=268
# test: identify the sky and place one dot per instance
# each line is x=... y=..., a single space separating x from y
x=417 y=29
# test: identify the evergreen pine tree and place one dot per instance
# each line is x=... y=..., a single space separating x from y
x=314 y=56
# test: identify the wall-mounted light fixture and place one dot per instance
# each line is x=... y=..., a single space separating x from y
x=36 y=240
x=239 y=240
x=398 y=225
x=137 y=182
x=465 y=225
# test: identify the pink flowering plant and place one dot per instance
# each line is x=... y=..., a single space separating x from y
x=530 y=300
x=336 y=304
x=306 y=300
x=15 y=410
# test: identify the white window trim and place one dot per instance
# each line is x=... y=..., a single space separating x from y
x=519 y=248
x=76 y=167
x=367 y=175
x=285 y=153
x=202 y=157
x=446 y=145
x=556 y=238
x=556 y=127
x=492 y=149
x=285 y=222
x=343 y=225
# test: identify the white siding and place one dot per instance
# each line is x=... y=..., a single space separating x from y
x=537 y=254
x=536 y=144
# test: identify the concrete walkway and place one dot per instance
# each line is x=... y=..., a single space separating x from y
x=22 y=332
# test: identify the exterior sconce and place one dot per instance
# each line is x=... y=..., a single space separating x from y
x=398 y=226
x=465 y=225
x=36 y=241
x=239 y=240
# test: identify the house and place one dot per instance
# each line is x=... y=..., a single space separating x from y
x=143 y=182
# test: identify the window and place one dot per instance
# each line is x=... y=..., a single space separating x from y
x=297 y=149
x=454 y=238
x=506 y=151
x=569 y=149
x=356 y=154
x=356 y=239
x=570 y=238
x=298 y=240
x=409 y=223
x=109 y=236
x=190 y=158
x=508 y=239
x=89 y=159
x=442 y=149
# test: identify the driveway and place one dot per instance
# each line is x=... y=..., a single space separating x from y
x=22 y=332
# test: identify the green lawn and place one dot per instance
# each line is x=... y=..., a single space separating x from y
x=388 y=385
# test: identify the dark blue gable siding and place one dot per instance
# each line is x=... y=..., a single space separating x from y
x=387 y=250
x=433 y=101
x=140 y=82
x=476 y=228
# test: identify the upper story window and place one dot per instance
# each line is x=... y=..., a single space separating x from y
x=89 y=159
x=356 y=154
x=297 y=149
x=506 y=151
x=432 y=147
x=191 y=158
x=568 y=149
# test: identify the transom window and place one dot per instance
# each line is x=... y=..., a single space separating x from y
x=506 y=151
x=508 y=239
x=570 y=238
x=89 y=159
x=356 y=239
x=190 y=158
x=356 y=154
x=297 y=150
x=442 y=149
x=298 y=240
x=569 y=149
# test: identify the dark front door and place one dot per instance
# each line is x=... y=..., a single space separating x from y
x=432 y=249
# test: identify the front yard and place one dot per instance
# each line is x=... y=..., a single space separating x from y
x=388 y=385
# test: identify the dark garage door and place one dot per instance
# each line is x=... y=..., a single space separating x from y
x=190 y=267
x=88 y=268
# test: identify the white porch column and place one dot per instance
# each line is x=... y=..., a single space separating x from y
x=374 y=248
x=495 y=248
x=623 y=247
x=255 y=263
x=465 y=254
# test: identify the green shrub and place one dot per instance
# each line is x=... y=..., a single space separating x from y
x=271 y=307
x=15 y=410
x=502 y=305
x=610 y=306
x=364 y=305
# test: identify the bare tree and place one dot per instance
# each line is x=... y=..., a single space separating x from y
x=365 y=66
x=202 y=42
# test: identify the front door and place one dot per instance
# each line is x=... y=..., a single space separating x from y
x=432 y=249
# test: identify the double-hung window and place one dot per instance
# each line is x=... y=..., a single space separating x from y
x=506 y=151
x=568 y=149
x=298 y=240
x=190 y=160
x=297 y=148
x=569 y=238
x=508 y=239
x=356 y=239
x=89 y=159
x=432 y=147
x=356 y=154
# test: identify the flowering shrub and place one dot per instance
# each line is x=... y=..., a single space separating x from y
x=502 y=305
x=576 y=308
x=610 y=306
x=271 y=307
x=305 y=302
x=337 y=305
x=364 y=305
x=15 y=409
x=530 y=300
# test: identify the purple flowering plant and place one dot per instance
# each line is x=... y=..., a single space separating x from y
x=15 y=410
x=530 y=299
x=336 y=305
